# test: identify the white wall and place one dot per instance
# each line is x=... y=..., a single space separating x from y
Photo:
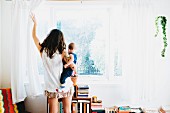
x=110 y=94
x=6 y=43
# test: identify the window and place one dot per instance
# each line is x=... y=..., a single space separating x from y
x=89 y=26
x=88 y=29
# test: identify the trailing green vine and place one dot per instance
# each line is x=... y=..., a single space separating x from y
x=163 y=21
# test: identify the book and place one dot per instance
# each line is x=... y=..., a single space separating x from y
x=85 y=107
x=113 y=109
x=81 y=107
x=74 y=107
x=83 y=87
x=82 y=95
x=84 y=101
x=98 y=111
x=61 y=107
x=97 y=107
x=124 y=109
x=96 y=104
x=136 y=110
x=83 y=91
x=88 y=107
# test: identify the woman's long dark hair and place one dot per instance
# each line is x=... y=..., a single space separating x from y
x=54 y=41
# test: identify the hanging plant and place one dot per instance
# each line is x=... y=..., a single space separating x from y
x=163 y=21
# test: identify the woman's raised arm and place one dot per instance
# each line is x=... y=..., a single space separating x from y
x=34 y=35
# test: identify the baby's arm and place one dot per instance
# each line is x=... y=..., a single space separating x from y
x=70 y=63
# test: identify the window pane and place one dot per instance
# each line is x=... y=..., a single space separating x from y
x=88 y=30
x=117 y=63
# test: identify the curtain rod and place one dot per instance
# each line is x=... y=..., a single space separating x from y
x=73 y=0
x=80 y=0
x=76 y=0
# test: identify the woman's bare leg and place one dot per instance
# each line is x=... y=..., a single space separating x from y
x=53 y=105
x=67 y=104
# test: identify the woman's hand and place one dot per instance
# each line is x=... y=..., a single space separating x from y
x=33 y=18
x=65 y=66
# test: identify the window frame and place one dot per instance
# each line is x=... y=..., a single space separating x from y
x=107 y=77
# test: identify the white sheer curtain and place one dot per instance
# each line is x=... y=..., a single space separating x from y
x=141 y=52
x=23 y=62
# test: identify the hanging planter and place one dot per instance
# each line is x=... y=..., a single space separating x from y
x=163 y=21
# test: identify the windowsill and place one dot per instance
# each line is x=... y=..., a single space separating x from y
x=99 y=80
x=90 y=80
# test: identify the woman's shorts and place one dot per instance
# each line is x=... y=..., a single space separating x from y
x=59 y=94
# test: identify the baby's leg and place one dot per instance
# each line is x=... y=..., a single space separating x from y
x=63 y=76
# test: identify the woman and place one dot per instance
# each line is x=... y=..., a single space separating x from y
x=52 y=53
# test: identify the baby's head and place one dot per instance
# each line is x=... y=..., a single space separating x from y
x=71 y=47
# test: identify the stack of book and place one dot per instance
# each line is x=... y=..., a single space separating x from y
x=96 y=106
x=128 y=109
x=83 y=91
x=81 y=106
x=164 y=109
